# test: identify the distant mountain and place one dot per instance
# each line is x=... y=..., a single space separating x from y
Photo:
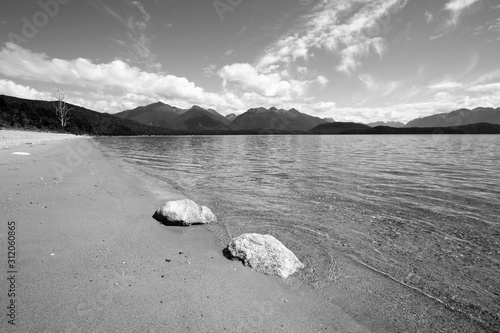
x=458 y=117
x=40 y=115
x=198 y=118
x=157 y=114
x=477 y=128
x=339 y=128
x=355 y=128
x=386 y=123
x=230 y=117
x=275 y=119
x=329 y=120
x=163 y=115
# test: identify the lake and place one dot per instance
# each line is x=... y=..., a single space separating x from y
x=423 y=210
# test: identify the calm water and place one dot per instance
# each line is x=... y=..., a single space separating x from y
x=425 y=210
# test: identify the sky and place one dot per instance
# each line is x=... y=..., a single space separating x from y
x=350 y=60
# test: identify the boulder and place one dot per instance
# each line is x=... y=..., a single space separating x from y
x=184 y=213
x=265 y=254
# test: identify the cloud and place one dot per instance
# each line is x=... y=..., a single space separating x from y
x=210 y=70
x=137 y=24
x=494 y=26
x=429 y=17
x=456 y=7
x=103 y=7
x=351 y=30
x=136 y=40
x=379 y=88
x=489 y=88
x=10 y=88
x=116 y=76
x=434 y=37
x=268 y=85
x=323 y=81
x=446 y=86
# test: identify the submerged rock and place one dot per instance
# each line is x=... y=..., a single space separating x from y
x=265 y=254
x=184 y=213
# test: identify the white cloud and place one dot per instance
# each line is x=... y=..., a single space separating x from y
x=350 y=29
x=448 y=85
x=434 y=37
x=10 y=88
x=115 y=77
x=135 y=39
x=323 y=81
x=489 y=88
x=377 y=87
x=429 y=17
x=494 y=25
x=456 y=7
x=210 y=70
x=268 y=85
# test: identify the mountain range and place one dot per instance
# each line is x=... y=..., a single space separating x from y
x=198 y=118
x=386 y=123
x=162 y=119
x=458 y=118
x=354 y=128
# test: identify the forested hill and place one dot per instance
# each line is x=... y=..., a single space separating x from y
x=355 y=128
x=40 y=115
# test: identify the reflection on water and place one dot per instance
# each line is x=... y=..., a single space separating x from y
x=422 y=209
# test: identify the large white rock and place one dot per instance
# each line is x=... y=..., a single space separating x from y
x=184 y=213
x=265 y=254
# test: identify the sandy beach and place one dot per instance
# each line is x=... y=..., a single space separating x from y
x=15 y=138
x=89 y=257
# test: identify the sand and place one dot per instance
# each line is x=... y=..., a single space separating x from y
x=89 y=257
x=13 y=138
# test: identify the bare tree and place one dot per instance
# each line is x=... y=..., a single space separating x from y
x=61 y=107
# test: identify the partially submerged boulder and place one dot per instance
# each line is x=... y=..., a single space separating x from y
x=184 y=213
x=265 y=254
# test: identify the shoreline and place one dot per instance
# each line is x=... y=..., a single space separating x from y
x=91 y=258
x=367 y=294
